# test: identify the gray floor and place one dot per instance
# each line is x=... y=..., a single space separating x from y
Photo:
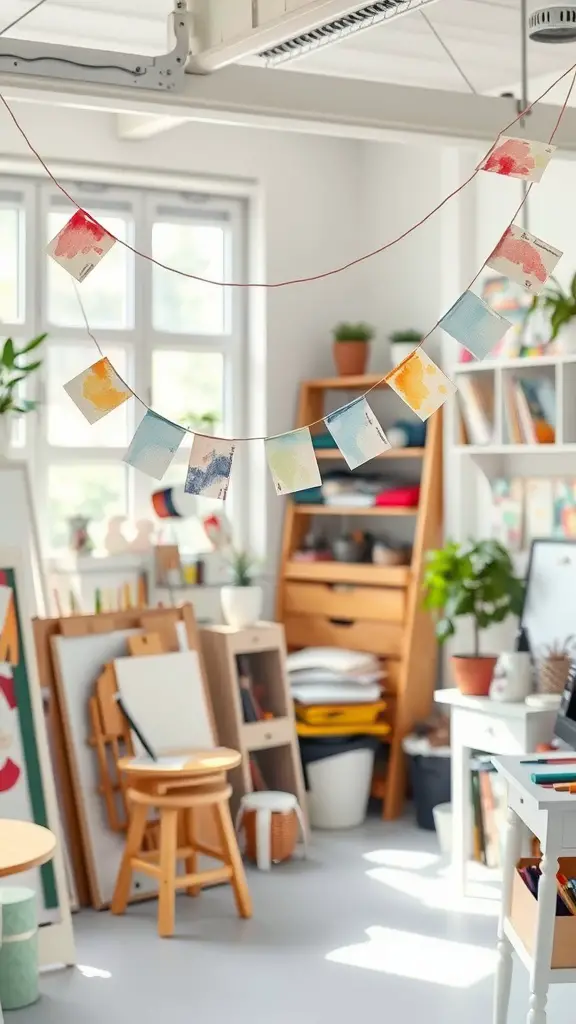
x=365 y=930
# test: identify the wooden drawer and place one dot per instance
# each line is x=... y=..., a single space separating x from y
x=275 y=733
x=345 y=602
x=256 y=638
x=384 y=638
x=487 y=732
x=392 y=679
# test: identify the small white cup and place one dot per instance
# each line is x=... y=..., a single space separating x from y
x=512 y=679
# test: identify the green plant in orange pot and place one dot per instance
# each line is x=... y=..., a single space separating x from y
x=476 y=581
x=351 y=348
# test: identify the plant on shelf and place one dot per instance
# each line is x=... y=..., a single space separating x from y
x=351 y=347
x=242 y=600
x=559 y=306
x=554 y=665
x=14 y=370
x=403 y=343
x=476 y=581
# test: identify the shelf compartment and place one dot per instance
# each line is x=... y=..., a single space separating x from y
x=354 y=510
x=349 y=572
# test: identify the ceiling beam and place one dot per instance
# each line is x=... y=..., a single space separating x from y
x=317 y=104
x=136 y=127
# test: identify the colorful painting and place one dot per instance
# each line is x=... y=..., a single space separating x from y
x=474 y=324
x=565 y=508
x=421 y=384
x=507 y=512
x=524 y=258
x=519 y=158
x=80 y=245
x=97 y=390
x=210 y=466
x=292 y=461
x=357 y=433
x=21 y=788
x=539 y=509
x=154 y=445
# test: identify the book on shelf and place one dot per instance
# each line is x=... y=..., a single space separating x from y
x=489 y=804
x=476 y=401
x=530 y=410
x=508 y=512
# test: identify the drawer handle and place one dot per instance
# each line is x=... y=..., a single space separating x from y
x=341 y=622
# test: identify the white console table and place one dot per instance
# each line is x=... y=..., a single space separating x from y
x=478 y=723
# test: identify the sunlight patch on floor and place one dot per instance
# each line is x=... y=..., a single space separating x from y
x=419 y=957
x=93 y=972
x=438 y=892
x=412 y=860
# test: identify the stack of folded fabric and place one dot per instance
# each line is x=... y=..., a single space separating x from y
x=344 y=489
x=331 y=685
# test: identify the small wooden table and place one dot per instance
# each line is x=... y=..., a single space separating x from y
x=24 y=845
x=551 y=816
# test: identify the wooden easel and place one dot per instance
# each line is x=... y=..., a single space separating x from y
x=160 y=621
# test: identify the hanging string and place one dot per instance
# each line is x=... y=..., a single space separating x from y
x=448 y=51
x=382 y=380
x=22 y=16
x=296 y=280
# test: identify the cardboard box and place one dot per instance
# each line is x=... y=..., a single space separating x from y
x=524 y=911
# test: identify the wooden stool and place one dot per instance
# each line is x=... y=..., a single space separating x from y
x=177 y=793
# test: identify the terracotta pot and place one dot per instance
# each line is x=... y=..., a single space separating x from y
x=351 y=357
x=473 y=675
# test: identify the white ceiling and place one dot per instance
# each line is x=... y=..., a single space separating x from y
x=484 y=36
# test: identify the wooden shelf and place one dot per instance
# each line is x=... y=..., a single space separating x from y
x=349 y=572
x=355 y=510
x=361 y=383
x=394 y=453
x=515 y=449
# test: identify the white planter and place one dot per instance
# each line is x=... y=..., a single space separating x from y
x=5 y=435
x=400 y=350
x=566 y=340
x=242 y=606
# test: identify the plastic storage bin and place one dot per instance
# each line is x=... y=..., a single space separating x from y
x=338 y=777
x=19 y=952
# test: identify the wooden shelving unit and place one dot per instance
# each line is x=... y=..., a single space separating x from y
x=273 y=741
x=368 y=607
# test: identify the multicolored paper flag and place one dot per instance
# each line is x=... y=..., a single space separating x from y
x=524 y=258
x=474 y=324
x=80 y=245
x=154 y=445
x=210 y=466
x=292 y=461
x=97 y=390
x=357 y=432
x=519 y=158
x=421 y=384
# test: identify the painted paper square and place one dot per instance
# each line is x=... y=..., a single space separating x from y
x=80 y=245
x=524 y=258
x=421 y=384
x=474 y=324
x=154 y=445
x=292 y=461
x=357 y=433
x=210 y=466
x=97 y=390
x=519 y=158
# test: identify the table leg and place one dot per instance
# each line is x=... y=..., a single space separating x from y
x=461 y=809
x=513 y=842
x=544 y=940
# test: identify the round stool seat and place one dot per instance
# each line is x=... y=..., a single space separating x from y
x=270 y=800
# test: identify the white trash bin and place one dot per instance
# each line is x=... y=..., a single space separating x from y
x=339 y=789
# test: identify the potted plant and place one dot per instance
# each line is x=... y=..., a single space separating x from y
x=402 y=344
x=474 y=580
x=559 y=307
x=351 y=349
x=13 y=371
x=242 y=601
x=204 y=422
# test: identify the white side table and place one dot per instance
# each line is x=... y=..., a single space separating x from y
x=551 y=816
x=478 y=723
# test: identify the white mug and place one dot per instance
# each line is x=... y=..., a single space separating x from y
x=512 y=679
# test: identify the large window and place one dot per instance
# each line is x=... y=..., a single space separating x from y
x=179 y=343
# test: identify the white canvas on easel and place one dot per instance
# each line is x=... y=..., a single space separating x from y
x=164 y=695
x=20 y=677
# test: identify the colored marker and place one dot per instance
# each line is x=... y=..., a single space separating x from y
x=551 y=760
x=542 y=777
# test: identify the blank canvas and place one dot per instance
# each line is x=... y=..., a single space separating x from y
x=164 y=694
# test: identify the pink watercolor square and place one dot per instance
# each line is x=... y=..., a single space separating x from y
x=80 y=245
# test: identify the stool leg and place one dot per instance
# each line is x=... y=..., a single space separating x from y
x=192 y=859
x=231 y=856
x=133 y=846
x=168 y=850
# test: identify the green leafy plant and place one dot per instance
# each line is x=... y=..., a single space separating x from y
x=475 y=580
x=242 y=568
x=200 y=420
x=407 y=336
x=13 y=371
x=557 y=303
x=353 y=332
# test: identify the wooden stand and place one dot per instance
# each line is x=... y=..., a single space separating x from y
x=272 y=741
x=381 y=609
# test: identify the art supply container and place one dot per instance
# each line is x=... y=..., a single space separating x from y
x=19 y=950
